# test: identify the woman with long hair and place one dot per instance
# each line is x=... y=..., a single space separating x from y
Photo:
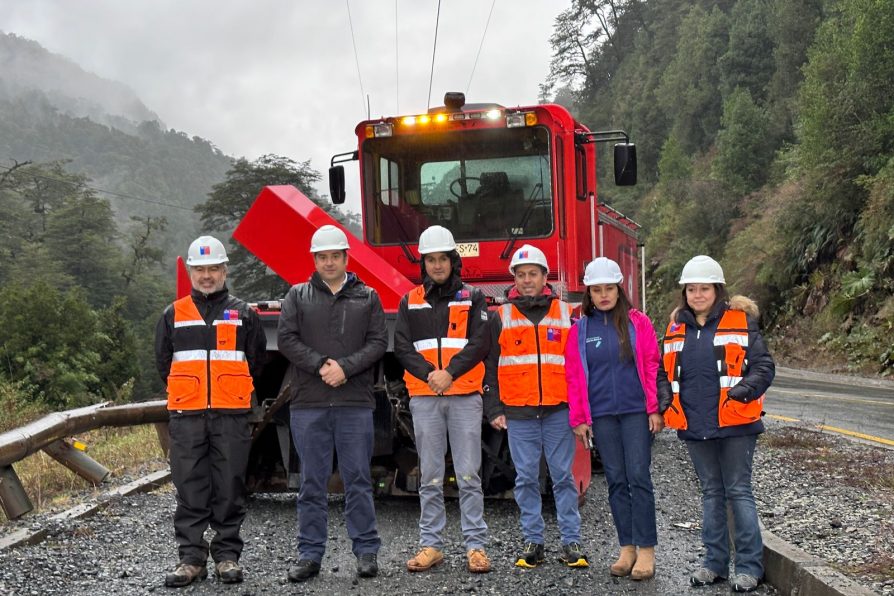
x=715 y=370
x=611 y=360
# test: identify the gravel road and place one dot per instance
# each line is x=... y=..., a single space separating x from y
x=126 y=548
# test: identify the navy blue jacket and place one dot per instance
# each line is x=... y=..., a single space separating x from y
x=700 y=380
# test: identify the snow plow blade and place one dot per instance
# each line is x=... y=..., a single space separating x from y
x=278 y=227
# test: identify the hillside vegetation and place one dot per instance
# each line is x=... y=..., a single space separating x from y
x=98 y=199
x=766 y=139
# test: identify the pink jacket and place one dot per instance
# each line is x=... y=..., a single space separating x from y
x=647 y=358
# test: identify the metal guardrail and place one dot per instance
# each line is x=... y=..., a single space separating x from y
x=49 y=434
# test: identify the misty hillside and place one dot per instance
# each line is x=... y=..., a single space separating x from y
x=51 y=109
x=25 y=66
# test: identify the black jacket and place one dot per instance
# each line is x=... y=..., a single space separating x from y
x=211 y=307
x=348 y=327
x=534 y=308
x=700 y=382
x=431 y=323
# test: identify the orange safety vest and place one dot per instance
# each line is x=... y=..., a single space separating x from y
x=439 y=351
x=532 y=357
x=730 y=339
x=195 y=362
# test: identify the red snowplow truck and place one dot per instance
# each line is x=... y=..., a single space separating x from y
x=497 y=178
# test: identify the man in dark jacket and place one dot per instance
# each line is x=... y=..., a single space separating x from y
x=208 y=347
x=332 y=330
x=441 y=338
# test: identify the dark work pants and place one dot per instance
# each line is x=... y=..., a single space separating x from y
x=209 y=456
x=318 y=432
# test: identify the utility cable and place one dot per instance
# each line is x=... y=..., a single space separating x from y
x=74 y=184
x=396 y=63
x=356 y=57
x=432 y=77
x=469 y=86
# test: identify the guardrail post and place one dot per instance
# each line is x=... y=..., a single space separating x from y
x=13 y=498
x=77 y=461
x=164 y=437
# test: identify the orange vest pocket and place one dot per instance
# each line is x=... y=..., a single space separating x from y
x=674 y=417
x=233 y=385
x=732 y=412
x=555 y=385
x=184 y=392
x=518 y=387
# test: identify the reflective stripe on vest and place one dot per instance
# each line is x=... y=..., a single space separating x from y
x=439 y=351
x=532 y=357
x=207 y=376
x=730 y=344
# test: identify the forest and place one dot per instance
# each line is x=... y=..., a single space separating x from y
x=766 y=139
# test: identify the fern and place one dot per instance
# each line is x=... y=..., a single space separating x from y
x=856 y=284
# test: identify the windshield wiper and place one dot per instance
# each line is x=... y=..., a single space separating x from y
x=400 y=238
x=519 y=229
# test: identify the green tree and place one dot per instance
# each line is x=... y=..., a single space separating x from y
x=744 y=145
x=748 y=62
x=846 y=126
x=230 y=200
x=116 y=345
x=59 y=350
x=83 y=238
x=792 y=26
x=689 y=86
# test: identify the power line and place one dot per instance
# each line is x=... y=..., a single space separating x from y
x=437 y=20
x=481 y=45
x=356 y=58
x=74 y=184
x=396 y=63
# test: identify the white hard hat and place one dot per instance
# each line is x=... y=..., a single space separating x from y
x=206 y=250
x=528 y=254
x=328 y=237
x=702 y=270
x=602 y=271
x=436 y=239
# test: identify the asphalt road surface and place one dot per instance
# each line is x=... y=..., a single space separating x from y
x=860 y=408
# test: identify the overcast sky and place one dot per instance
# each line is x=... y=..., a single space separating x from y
x=280 y=76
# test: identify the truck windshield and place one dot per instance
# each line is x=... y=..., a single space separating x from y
x=480 y=184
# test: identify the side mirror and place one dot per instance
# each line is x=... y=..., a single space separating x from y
x=625 y=164
x=337 y=183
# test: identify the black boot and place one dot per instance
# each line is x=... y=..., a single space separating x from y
x=367 y=566
x=304 y=570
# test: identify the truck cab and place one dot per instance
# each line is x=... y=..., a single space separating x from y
x=497 y=178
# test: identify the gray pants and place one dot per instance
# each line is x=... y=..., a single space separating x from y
x=458 y=417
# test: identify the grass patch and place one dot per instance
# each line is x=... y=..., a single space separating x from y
x=128 y=450
x=15 y=409
x=879 y=567
x=820 y=454
x=792 y=437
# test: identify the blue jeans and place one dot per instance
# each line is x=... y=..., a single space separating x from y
x=624 y=444
x=349 y=432
x=528 y=440
x=724 y=471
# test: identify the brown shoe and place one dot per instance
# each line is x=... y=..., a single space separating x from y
x=425 y=559
x=477 y=561
x=229 y=572
x=184 y=574
x=624 y=564
x=645 y=564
